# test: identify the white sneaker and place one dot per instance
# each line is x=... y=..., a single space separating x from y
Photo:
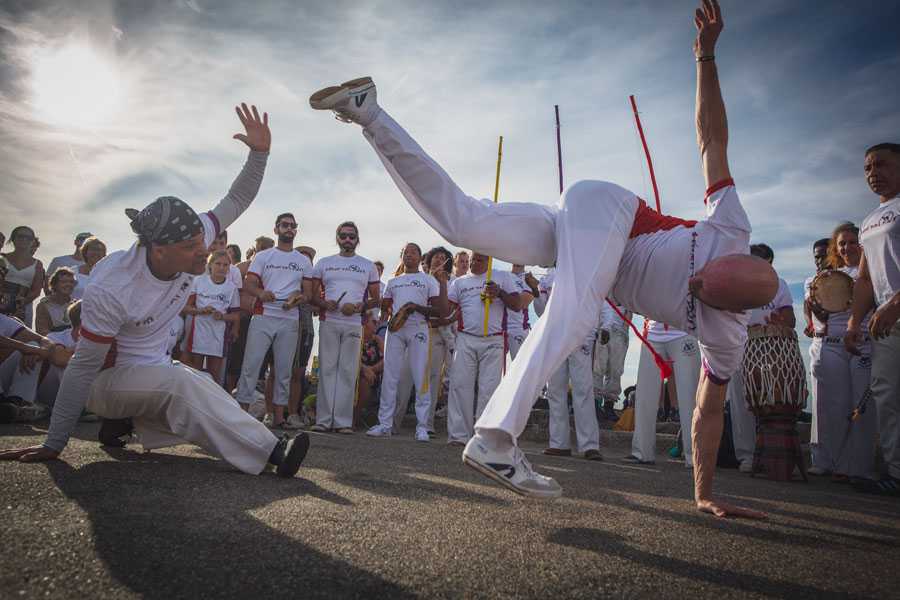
x=379 y=431
x=422 y=436
x=746 y=467
x=510 y=469
x=269 y=420
x=352 y=102
x=293 y=422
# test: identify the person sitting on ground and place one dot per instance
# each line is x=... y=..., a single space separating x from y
x=51 y=313
x=370 y=371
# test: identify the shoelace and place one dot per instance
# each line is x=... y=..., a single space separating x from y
x=519 y=457
x=342 y=116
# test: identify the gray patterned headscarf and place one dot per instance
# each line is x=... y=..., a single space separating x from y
x=166 y=220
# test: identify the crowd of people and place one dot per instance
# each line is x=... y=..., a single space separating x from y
x=219 y=343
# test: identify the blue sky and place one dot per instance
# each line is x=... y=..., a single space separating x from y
x=808 y=87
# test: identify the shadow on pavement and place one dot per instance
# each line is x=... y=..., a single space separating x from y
x=164 y=538
x=608 y=544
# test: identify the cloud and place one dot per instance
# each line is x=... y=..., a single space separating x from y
x=806 y=92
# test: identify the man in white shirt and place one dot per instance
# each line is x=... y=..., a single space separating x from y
x=609 y=357
x=605 y=241
x=780 y=311
x=478 y=358
x=682 y=352
x=575 y=370
x=878 y=286
x=120 y=368
x=344 y=287
x=276 y=278
x=72 y=261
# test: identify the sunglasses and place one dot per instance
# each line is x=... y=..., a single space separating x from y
x=288 y=225
x=346 y=236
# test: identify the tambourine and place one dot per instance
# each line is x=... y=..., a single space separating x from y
x=398 y=319
x=831 y=291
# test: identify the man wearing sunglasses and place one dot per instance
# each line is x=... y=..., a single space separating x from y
x=344 y=287
x=275 y=278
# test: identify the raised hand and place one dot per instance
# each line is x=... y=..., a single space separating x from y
x=709 y=23
x=258 y=136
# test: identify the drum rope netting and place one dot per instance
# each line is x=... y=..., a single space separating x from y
x=773 y=371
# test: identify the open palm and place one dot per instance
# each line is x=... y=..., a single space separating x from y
x=709 y=23
x=257 y=136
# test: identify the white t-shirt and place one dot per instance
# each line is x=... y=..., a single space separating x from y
x=880 y=239
x=280 y=272
x=128 y=307
x=81 y=282
x=660 y=332
x=655 y=268
x=781 y=300
x=234 y=276
x=207 y=335
x=10 y=327
x=347 y=276
x=466 y=293
x=418 y=288
x=63 y=261
x=517 y=320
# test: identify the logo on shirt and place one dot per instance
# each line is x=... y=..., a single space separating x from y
x=291 y=266
x=888 y=218
x=351 y=268
x=420 y=337
x=689 y=348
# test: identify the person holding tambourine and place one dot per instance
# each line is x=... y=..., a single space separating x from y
x=840 y=379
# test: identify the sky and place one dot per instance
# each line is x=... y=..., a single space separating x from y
x=107 y=105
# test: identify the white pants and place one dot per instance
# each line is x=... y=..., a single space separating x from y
x=14 y=382
x=405 y=386
x=266 y=332
x=840 y=380
x=408 y=346
x=684 y=354
x=476 y=360
x=585 y=236
x=609 y=364
x=515 y=341
x=743 y=421
x=174 y=404
x=886 y=394
x=339 y=354
x=577 y=369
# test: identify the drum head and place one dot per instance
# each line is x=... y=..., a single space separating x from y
x=832 y=291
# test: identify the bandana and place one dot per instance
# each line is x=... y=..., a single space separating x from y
x=166 y=220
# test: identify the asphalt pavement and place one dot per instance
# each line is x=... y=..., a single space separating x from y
x=396 y=518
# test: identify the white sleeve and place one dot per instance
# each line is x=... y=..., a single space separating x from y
x=510 y=284
x=784 y=295
x=434 y=288
x=235 y=300
x=452 y=295
x=258 y=265
x=73 y=391
x=389 y=291
x=242 y=191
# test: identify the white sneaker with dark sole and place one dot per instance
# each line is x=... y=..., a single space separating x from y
x=510 y=469
x=353 y=101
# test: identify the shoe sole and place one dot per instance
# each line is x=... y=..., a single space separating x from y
x=327 y=98
x=491 y=474
x=294 y=457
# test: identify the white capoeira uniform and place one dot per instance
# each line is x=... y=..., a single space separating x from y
x=517 y=325
x=478 y=359
x=577 y=370
x=206 y=335
x=280 y=272
x=609 y=358
x=121 y=367
x=12 y=381
x=680 y=350
x=340 y=336
x=840 y=380
x=408 y=345
x=743 y=421
x=604 y=240
x=880 y=239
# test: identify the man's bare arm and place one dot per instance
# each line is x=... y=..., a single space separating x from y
x=863 y=302
x=712 y=123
